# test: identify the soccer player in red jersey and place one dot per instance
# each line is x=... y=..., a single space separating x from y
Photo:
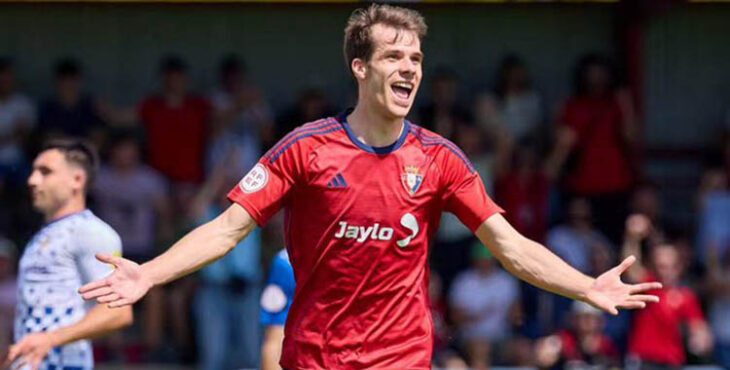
x=363 y=194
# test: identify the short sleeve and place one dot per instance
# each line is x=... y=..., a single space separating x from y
x=464 y=194
x=278 y=294
x=262 y=192
x=91 y=240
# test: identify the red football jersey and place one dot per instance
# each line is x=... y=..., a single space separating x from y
x=358 y=224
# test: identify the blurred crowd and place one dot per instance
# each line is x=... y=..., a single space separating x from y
x=570 y=177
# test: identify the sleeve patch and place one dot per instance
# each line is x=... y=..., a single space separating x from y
x=273 y=299
x=255 y=179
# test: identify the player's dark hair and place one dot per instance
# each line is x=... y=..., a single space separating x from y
x=173 y=63
x=585 y=63
x=67 y=67
x=358 y=43
x=232 y=63
x=78 y=153
x=506 y=66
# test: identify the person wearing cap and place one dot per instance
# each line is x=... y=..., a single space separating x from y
x=481 y=300
x=583 y=344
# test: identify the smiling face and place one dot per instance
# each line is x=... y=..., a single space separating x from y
x=389 y=79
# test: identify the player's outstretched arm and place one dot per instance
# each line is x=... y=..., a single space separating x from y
x=100 y=321
x=537 y=265
x=205 y=244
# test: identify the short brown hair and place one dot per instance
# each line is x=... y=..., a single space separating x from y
x=79 y=153
x=358 y=42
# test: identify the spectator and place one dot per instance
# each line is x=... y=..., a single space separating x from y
x=656 y=334
x=718 y=283
x=481 y=300
x=596 y=132
x=523 y=191
x=226 y=304
x=515 y=106
x=713 y=245
x=714 y=209
x=582 y=346
x=8 y=291
x=132 y=198
x=578 y=243
x=71 y=112
x=311 y=105
x=442 y=112
x=17 y=118
x=176 y=125
x=645 y=201
x=242 y=119
x=577 y=240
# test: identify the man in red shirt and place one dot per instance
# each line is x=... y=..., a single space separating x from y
x=363 y=194
x=176 y=125
x=656 y=334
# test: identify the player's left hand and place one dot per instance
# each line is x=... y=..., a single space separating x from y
x=610 y=294
x=31 y=350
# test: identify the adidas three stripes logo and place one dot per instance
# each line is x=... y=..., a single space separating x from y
x=337 y=182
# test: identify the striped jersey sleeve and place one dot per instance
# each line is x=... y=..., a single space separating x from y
x=263 y=190
x=463 y=190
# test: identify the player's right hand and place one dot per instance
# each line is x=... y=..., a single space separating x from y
x=125 y=286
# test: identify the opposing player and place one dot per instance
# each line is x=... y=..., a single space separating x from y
x=363 y=194
x=53 y=323
x=276 y=301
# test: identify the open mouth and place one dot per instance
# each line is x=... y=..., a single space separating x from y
x=402 y=90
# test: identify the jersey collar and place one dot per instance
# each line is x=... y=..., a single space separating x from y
x=372 y=149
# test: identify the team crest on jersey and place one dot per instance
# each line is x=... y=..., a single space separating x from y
x=411 y=179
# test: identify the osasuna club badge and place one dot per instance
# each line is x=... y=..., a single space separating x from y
x=411 y=179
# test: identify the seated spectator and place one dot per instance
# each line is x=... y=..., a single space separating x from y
x=582 y=346
x=514 y=106
x=481 y=300
x=71 y=112
x=176 y=125
x=597 y=131
x=656 y=334
x=17 y=118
